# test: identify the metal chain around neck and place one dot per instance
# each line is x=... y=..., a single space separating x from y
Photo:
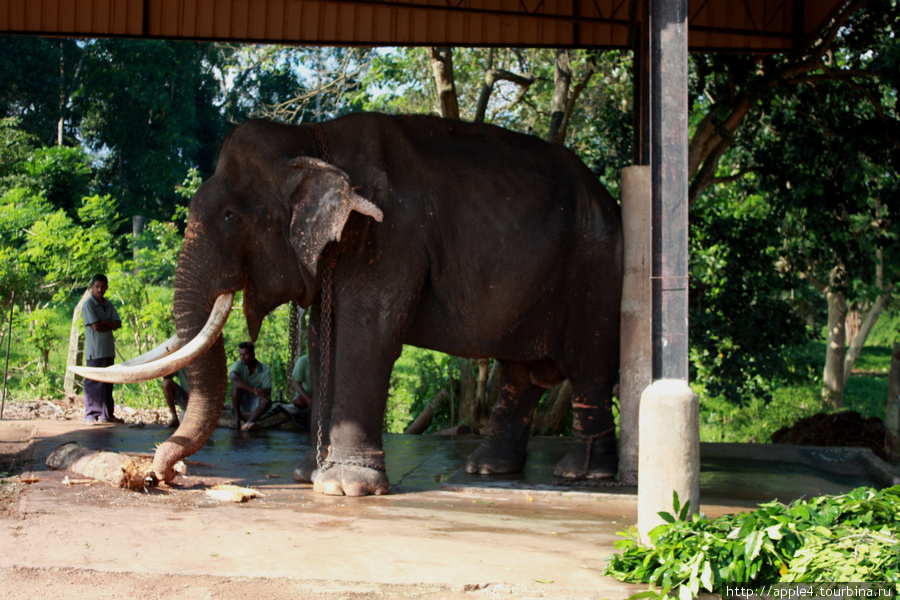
x=326 y=308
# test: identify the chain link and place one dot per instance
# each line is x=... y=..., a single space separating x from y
x=587 y=463
x=328 y=260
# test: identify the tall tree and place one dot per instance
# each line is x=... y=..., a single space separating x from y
x=828 y=162
x=820 y=144
x=149 y=111
x=39 y=76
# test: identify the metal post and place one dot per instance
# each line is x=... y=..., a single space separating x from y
x=669 y=160
x=12 y=305
x=641 y=90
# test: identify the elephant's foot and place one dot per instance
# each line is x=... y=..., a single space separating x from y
x=590 y=458
x=492 y=457
x=304 y=470
x=350 y=480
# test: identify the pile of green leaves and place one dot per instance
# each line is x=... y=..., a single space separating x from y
x=850 y=537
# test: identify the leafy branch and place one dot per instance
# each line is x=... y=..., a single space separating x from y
x=850 y=537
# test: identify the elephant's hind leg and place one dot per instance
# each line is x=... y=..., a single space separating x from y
x=593 y=454
x=503 y=450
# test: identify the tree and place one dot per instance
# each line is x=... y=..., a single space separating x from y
x=742 y=322
x=819 y=152
x=829 y=165
x=293 y=84
x=39 y=76
x=149 y=113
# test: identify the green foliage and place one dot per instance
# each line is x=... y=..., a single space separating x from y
x=885 y=333
x=41 y=335
x=157 y=248
x=65 y=253
x=272 y=348
x=16 y=146
x=742 y=324
x=850 y=537
x=37 y=73
x=756 y=420
x=418 y=377
x=60 y=174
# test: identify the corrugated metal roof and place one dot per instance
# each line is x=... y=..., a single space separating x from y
x=729 y=25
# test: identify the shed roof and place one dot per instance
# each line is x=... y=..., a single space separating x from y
x=714 y=25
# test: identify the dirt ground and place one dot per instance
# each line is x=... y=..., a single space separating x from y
x=847 y=428
x=67 y=538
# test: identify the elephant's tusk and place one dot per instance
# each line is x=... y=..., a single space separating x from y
x=163 y=350
x=163 y=360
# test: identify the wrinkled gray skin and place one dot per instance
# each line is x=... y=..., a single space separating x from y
x=492 y=244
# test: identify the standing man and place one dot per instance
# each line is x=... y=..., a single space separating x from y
x=251 y=386
x=100 y=320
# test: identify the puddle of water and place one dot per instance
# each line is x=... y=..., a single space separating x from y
x=766 y=480
x=424 y=463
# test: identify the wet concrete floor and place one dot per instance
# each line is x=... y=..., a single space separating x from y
x=439 y=529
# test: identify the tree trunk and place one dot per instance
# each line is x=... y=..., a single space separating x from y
x=868 y=322
x=421 y=423
x=865 y=327
x=482 y=412
x=550 y=417
x=836 y=349
x=442 y=65
x=565 y=96
x=468 y=390
x=562 y=80
x=491 y=77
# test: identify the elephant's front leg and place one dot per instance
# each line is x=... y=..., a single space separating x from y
x=354 y=464
x=506 y=440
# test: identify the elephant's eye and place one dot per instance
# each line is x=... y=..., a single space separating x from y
x=229 y=215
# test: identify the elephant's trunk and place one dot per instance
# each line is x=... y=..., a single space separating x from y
x=207 y=393
x=207 y=377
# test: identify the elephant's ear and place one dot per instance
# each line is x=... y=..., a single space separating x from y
x=321 y=199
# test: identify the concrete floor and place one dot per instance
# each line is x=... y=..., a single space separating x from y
x=439 y=534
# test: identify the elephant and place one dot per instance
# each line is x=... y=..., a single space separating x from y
x=465 y=238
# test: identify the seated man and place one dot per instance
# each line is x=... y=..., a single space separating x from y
x=175 y=393
x=302 y=378
x=251 y=387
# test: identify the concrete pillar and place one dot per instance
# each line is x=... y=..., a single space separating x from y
x=670 y=451
x=635 y=342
